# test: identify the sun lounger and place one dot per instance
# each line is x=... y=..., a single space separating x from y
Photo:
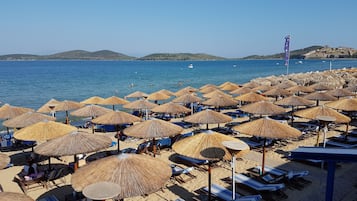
x=192 y=162
x=281 y=172
x=225 y=194
x=256 y=185
x=178 y=172
x=26 y=185
x=340 y=144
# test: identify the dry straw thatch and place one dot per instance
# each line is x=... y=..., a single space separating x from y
x=186 y=90
x=136 y=174
x=140 y=104
x=43 y=131
x=220 y=101
x=92 y=100
x=294 y=101
x=313 y=113
x=347 y=104
x=251 y=97
x=208 y=117
x=158 y=96
x=263 y=108
x=154 y=128
x=27 y=119
x=241 y=91
x=340 y=93
x=90 y=111
x=73 y=143
x=187 y=98
x=298 y=89
x=11 y=196
x=215 y=93
x=101 y=191
x=49 y=106
x=113 y=100
x=7 y=111
x=171 y=108
x=137 y=94
x=116 y=118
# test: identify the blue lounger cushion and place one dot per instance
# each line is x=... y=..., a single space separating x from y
x=226 y=194
x=257 y=185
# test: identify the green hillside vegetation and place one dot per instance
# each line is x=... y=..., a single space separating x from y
x=85 y=55
x=295 y=54
x=180 y=56
x=19 y=57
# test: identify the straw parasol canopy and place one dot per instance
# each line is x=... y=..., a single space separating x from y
x=137 y=94
x=262 y=88
x=135 y=174
x=208 y=146
x=153 y=128
x=49 y=106
x=140 y=104
x=208 y=89
x=194 y=145
x=11 y=196
x=27 y=119
x=242 y=90
x=263 y=108
x=313 y=113
x=250 y=85
x=113 y=100
x=227 y=84
x=294 y=101
x=4 y=160
x=90 y=111
x=208 y=117
x=229 y=87
x=320 y=96
x=275 y=92
x=92 y=100
x=170 y=108
x=116 y=118
x=208 y=86
x=286 y=84
x=251 y=97
x=347 y=104
x=7 y=111
x=186 y=90
x=43 y=131
x=340 y=93
x=101 y=190
x=298 y=89
x=66 y=106
x=320 y=87
x=158 y=96
x=215 y=93
x=187 y=98
x=167 y=92
x=76 y=142
x=267 y=128
x=220 y=101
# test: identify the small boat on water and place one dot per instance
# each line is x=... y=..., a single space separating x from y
x=190 y=66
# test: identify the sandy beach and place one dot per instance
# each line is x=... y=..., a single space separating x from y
x=277 y=156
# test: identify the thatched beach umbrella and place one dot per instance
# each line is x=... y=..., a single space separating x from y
x=320 y=96
x=49 y=107
x=186 y=90
x=8 y=111
x=297 y=89
x=171 y=108
x=346 y=104
x=294 y=101
x=76 y=142
x=136 y=174
x=220 y=101
x=101 y=191
x=267 y=128
x=116 y=118
x=229 y=87
x=251 y=85
x=4 y=160
x=91 y=111
x=187 y=98
x=262 y=88
x=208 y=89
x=321 y=87
x=167 y=92
x=154 y=128
x=141 y=105
x=251 y=97
x=66 y=106
x=43 y=131
x=158 y=96
x=214 y=93
x=263 y=108
x=11 y=196
x=207 y=146
x=113 y=100
x=241 y=91
x=137 y=94
x=276 y=92
x=27 y=119
x=227 y=84
x=92 y=100
x=286 y=84
x=340 y=93
x=208 y=117
x=313 y=113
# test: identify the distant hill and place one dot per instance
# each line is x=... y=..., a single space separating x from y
x=180 y=56
x=71 y=55
x=295 y=54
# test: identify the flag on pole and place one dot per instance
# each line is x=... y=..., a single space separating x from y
x=286 y=50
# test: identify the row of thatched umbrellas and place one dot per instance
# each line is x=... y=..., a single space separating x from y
x=202 y=120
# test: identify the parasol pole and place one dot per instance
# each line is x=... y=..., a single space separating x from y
x=263 y=160
x=67 y=119
x=209 y=180
x=191 y=108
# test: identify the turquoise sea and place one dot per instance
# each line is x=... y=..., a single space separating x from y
x=33 y=83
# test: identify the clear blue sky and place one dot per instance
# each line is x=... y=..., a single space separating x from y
x=229 y=28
